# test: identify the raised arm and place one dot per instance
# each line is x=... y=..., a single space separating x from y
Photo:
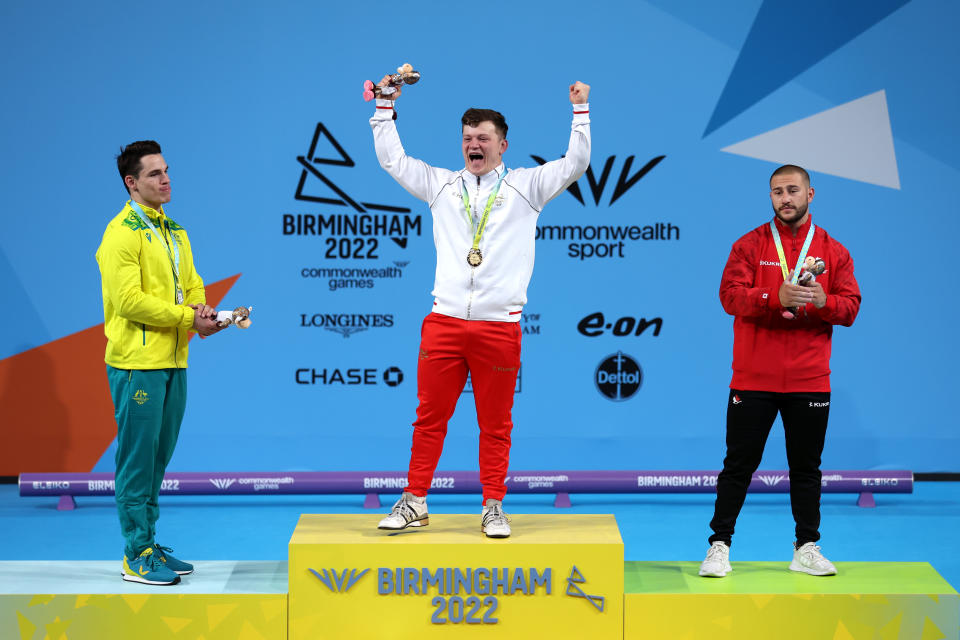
x=552 y=178
x=414 y=175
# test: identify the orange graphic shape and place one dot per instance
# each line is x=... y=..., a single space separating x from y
x=55 y=405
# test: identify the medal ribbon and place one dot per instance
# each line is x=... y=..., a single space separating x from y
x=174 y=256
x=478 y=229
x=783 y=259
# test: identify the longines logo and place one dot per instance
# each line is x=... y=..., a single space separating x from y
x=339 y=583
x=618 y=376
x=346 y=236
x=606 y=241
x=595 y=324
x=391 y=376
x=346 y=324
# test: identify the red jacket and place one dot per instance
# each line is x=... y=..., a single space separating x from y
x=771 y=353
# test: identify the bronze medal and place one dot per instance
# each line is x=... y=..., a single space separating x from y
x=474 y=257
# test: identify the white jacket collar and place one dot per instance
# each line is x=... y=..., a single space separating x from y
x=487 y=180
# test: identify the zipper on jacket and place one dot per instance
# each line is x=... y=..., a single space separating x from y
x=143 y=328
x=470 y=297
x=473 y=270
x=176 y=347
x=176 y=344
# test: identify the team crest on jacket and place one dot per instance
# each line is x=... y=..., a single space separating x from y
x=737 y=400
x=133 y=221
x=497 y=202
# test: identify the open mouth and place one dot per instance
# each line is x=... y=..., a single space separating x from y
x=475 y=156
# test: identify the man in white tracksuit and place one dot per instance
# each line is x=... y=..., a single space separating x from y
x=484 y=226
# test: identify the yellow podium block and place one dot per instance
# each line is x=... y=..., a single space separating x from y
x=87 y=600
x=556 y=575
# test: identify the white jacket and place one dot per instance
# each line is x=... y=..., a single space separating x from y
x=497 y=289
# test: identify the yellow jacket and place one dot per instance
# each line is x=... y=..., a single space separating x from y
x=145 y=327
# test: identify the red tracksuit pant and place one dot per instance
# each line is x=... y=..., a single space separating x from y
x=449 y=349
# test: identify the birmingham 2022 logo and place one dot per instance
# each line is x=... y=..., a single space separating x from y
x=480 y=588
x=353 y=235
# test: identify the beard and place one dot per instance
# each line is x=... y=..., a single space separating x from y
x=790 y=216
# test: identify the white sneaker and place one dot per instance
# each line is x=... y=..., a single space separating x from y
x=493 y=521
x=408 y=511
x=717 y=562
x=808 y=559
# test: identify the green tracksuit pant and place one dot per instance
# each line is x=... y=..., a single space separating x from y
x=149 y=407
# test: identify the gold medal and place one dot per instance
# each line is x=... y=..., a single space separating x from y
x=474 y=257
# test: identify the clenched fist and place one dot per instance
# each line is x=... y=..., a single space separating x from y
x=579 y=92
x=384 y=83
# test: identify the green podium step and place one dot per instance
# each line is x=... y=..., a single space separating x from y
x=865 y=600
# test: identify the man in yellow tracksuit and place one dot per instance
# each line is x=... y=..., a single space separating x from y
x=152 y=298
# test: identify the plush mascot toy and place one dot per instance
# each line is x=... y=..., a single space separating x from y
x=239 y=316
x=812 y=267
x=404 y=75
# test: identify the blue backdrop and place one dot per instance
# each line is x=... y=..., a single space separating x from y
x=258 y=108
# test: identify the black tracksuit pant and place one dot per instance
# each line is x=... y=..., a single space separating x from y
x=750 y=415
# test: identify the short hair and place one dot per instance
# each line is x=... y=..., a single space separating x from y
x=129 y=160
x=473 y=117
x=791 y=168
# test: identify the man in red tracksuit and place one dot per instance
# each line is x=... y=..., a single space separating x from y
x=781 y=361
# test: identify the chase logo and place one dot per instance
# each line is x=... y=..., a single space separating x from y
x=140 y=396
x=576 y=578
x=339 y=583
x=392 y=376
x=222 y=483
